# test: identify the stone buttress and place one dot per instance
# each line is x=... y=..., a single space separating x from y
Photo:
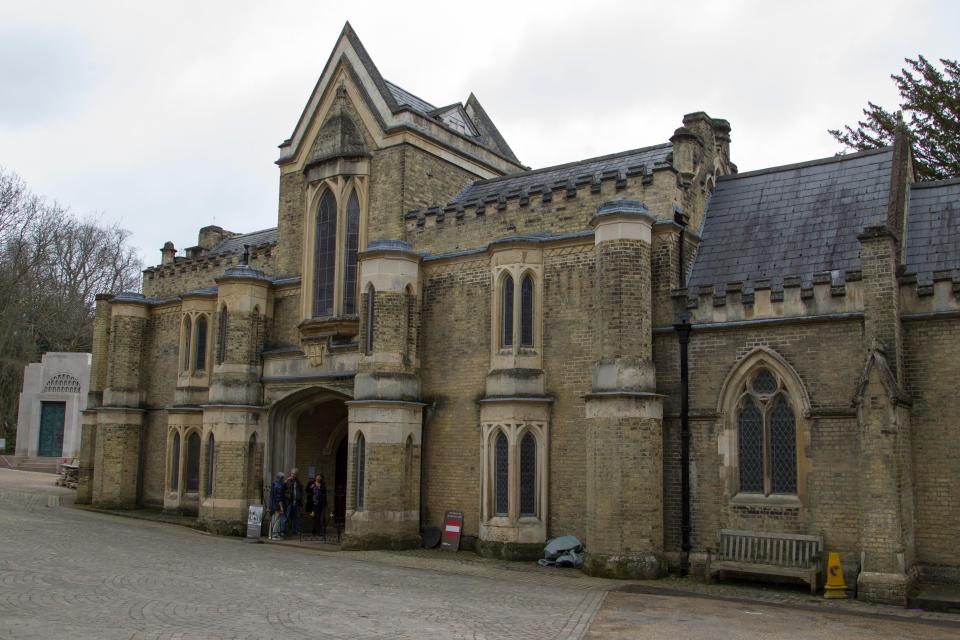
x=386 y=415
x=624 y=426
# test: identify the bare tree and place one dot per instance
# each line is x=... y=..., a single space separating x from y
x=52 y=265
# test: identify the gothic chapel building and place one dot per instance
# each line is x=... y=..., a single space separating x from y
x=434 y=326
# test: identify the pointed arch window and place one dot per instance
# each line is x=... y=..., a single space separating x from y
x=526 y=311
x=200 y=356
x=360 y=462
x=222 y=335
x=766 y=436
x=187 y=330
x=211 y=465
x=351 y=246
x=175 y=462
x=528 y=475
x=506 y=312
x=501 y=475
x=193 y=462
x=369 y=321
x=325 y=267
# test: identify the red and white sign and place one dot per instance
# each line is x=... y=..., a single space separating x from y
x=452 y=528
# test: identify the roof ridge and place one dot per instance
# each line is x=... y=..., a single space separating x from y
x=609 y=156
x=803 y=165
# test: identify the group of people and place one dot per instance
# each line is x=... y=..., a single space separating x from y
x=288 y=497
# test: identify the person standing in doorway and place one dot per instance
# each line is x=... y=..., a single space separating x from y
x=277 y=511
x=293 y=504
x=319 y=506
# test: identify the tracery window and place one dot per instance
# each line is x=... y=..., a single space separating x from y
x=325 y=264
x=360 y=462
x=211 y=465
x=193 y=462
x=351 y=246
x=506 y=312
x=175 y=462
x=766 y=436
x=528 y=475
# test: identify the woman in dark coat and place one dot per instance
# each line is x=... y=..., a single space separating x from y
x=319 y=499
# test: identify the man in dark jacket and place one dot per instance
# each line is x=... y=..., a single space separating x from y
x=277 y=510
x=293 y=502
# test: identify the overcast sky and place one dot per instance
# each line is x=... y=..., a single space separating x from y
x=166 y=116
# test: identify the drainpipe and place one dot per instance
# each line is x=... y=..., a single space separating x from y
x=683 y=333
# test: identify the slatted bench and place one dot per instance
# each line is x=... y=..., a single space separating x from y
x=780 y=554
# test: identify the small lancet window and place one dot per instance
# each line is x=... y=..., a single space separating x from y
x=175 y=462
x=187 y=330
x=211 y=465
x=501 y=475
x=360 y=461
x=766 y=437
x=506 y=315
x=351 y=247
x=526 y=311
x=200 y=357
x=528 y=475
x=326 y=255
x=193 y=462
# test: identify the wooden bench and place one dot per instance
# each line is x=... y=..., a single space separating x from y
x=781 y=554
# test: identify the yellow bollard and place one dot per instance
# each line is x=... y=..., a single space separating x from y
x=836 y=586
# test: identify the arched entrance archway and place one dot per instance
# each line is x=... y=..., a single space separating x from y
x=308 y=431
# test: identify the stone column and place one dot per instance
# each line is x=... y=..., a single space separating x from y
x=235 y=411
x=386 y=410
x=887 y=539
x=624 y=414
x=116 y=458
x=98 y=382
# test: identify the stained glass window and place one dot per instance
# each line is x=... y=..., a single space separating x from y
x=326 y=256
x=750 y=441
x=501 y=475
x=528 y=475
x=211 y=464
x=526 y=312
x=350 y=256
x=193 y=462
x=200 y=360
x=506 y=339
x=783 y=447
x=187 y=329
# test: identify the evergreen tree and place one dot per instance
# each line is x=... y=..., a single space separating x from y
x=930 y=108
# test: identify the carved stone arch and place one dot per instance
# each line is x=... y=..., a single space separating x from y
x=280 y=442
x=755 y=359
x=338 y=137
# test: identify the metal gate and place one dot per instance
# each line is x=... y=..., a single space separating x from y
x=50 y=443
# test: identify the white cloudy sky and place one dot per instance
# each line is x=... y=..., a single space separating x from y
x=166 y=116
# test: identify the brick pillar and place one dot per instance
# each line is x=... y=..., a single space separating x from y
x=116 y=451
x=624 y=415
x=386 y=410
x=887 y=539
x=235 y=412
x=88 y=448
x=100 y=346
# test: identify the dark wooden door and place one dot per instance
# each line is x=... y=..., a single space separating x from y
x=50 y=443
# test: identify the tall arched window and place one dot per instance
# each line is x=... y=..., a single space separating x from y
x=501 y=475
x=193 y=462
x=211 y=465
x=222 y=335
x=324 y=273
x=200 y=358
x=506 y=312
x=766 y=436
x=253 y=469
x=528 y=475
x=369 y=320
x=175 y=462
x=187 y=330
x=526 y=311
x=360 y=461
x=351 y=246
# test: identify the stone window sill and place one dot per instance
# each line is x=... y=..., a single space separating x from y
x=760 y=500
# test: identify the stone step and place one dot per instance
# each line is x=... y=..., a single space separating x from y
x=37 y=465
x=936 y=597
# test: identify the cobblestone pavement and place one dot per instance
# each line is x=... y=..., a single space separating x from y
x=72 y=573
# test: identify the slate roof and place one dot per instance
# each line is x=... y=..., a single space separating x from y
x=584 y=171
x=254 y=239
x=794 y=220
x=404 y=97
x=933 y=228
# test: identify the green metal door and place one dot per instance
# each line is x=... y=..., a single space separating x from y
x=51 y=429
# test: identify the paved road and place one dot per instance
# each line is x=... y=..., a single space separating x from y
x=68 y=573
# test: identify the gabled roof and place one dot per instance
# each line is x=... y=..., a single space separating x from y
x=388 y=100
x=933 y=228
x=794 y=220
x=580 y=172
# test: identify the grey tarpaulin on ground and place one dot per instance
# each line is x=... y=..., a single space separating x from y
x=565 y=551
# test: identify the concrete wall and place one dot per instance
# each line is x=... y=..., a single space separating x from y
x=39 y=386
